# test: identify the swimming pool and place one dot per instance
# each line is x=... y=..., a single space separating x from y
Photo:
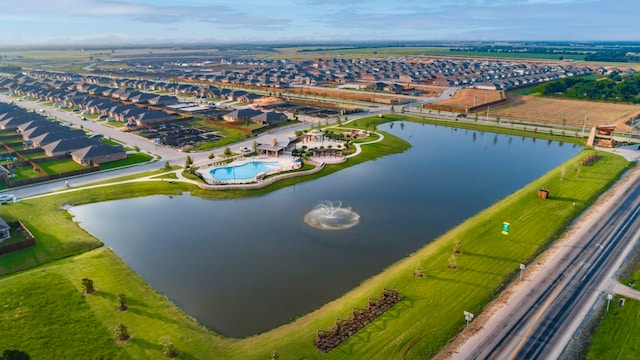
x=243 y=172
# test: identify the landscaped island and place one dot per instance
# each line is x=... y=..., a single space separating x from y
x=416 y=327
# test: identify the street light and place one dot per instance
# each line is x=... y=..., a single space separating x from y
x=486 y=120
x=522 y=266
x=609 y=298
x=584 y=124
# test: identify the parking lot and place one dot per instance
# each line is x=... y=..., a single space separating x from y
x=177 y=135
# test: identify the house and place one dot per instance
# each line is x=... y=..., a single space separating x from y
x=275 y=147
x=249 y=98
x=149 y=118
x=13 y=120
x=241 y=115
x=4 y=230
x=55 y=135
x=98 y=153
x=142 y=98
x=269 y=118
x=163 y=100
x=66 y=146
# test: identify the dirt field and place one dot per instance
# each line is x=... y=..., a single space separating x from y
x=552 y=111
x=465 y=97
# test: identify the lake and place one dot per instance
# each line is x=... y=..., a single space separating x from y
x=244 y=266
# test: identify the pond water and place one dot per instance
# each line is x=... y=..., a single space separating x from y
x=245 y=266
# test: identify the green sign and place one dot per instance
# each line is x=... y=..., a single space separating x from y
x=505 y=228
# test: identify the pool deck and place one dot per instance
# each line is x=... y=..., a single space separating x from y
x=286 y=162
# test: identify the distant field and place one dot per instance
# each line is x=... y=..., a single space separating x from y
x=552 y=111
x=314 y=52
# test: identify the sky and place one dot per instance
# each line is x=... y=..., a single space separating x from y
x=51 y=22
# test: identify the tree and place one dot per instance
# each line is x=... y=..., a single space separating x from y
x=188 y=162
x=121 y=332
x=274 y=354
x=167 y=166
x=452 y=262
x=456 y=246
x=227 y=152
x=168 y=349
x=87 y=285
x=14 y=355
x=211 y=156
x=122 y=302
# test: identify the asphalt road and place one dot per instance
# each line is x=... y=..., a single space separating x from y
x=542 y=323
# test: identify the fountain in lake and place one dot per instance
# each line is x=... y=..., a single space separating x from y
x=329 y=215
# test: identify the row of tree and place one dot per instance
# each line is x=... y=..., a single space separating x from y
x=121 y=331
x=612 y=89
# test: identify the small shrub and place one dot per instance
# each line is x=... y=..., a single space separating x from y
x=121 y=331
x=87 y=285
x=168 y=349
x=452 y=262
x=122 y=302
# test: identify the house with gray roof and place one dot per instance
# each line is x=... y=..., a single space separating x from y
x=269 y=118
x=4 y=230
x=66 y=145
x=97 y=154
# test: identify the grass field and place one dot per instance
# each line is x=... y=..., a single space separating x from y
x=415 y=328
x=372 y=52
x=618 y=335
x=619 y=326
x=552 y=111
x=44 y=304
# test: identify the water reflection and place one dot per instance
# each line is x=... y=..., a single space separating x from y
x=247 y=265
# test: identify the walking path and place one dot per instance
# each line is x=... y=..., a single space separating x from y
x=624 y=290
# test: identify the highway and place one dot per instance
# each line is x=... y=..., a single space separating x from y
x=542 y=322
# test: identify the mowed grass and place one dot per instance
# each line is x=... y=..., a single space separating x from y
x=619 y=326
x=44 y=315
x=618 y=334
x=422 y=323
x=60 y=166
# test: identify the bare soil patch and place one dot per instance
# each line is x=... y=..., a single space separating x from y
x=553 y=110
x=470 y=98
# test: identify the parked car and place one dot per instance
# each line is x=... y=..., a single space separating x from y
x=4 y=198
x=245 y=149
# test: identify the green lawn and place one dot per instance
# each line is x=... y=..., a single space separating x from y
x=36 y=155
x=131 y=159
x=60 y=166
x=48 y=318
x=618 y=335
x=25 y=172
x=619 y=326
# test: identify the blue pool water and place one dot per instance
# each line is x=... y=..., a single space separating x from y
x=243 y=172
